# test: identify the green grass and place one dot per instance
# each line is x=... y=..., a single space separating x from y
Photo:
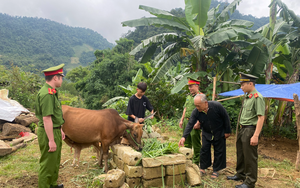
x=11 y=166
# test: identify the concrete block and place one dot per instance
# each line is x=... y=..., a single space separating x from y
x=118 y=149
x=179 y=179
x=113 y=165
x=133 y=182
x=133 y=171
x=188 y=152
x=114 y=178
x=154 y=172
x=189 y=163
x=125 y=185
x=119 y=162
x=164 y=160
x=193 y=178
x=175 y=169
x=157 y=182
x=130 y=156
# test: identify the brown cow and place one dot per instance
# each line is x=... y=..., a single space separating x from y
x=84 y=128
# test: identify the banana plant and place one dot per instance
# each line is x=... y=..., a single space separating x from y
x=277 y=35
x=201 y=30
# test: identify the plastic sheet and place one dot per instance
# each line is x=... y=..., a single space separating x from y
x=9 y=109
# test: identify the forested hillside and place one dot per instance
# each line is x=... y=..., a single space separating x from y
x=36 y=43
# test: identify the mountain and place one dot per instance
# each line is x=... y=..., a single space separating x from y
x=37 y=43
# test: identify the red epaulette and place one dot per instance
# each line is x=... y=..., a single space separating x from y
x=51 y=91
x=255 y=95
x=250 y=95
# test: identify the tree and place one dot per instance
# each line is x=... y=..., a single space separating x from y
x=204 y=32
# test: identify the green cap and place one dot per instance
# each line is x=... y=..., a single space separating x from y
x=247 y=77
x=54 y=70
x=192 y=81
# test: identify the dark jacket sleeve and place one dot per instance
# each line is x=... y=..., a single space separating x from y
x=189 y=127
x=225 y=118
x=129 y=110
x=148 y=104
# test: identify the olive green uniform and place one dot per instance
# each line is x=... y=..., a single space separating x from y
x=47 y=103
x=246 y=168
x=194 y=139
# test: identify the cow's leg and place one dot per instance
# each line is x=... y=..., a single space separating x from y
x=105 y=156
x=98 y=148
x=101 y=157
x=76 y=155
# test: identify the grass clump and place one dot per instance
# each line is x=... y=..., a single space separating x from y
x=154 y=148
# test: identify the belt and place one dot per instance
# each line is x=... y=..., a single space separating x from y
x=53 y=127
x=248 y=126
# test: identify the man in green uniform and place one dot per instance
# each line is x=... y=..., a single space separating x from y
x=251 y=122
x=194 y=139
x=50 y=134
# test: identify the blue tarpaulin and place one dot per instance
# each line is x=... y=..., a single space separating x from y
x=280 y=91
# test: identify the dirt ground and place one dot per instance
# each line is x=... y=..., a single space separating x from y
x=278 y=149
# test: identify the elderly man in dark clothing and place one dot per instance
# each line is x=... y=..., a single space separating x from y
x=215 y=125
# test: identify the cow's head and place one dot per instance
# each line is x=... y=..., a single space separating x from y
x=134 y=135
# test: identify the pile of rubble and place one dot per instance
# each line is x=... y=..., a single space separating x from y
x=15 y=134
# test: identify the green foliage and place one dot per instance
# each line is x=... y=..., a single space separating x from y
x=68 y=99
x=289 y=131
x=297 y=183
x=171 y=124
x=233 y=107
x=23 y=86
x=166 y=105
x=32 y=127
x=37 y=43
x=154 y=148
x=120 y=106
x=100 y=81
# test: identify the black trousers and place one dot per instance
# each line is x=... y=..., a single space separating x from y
x=219 y=153
x=246 y=166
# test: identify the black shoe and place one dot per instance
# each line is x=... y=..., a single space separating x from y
x=235 y=178
x=242 y=186
x=58 y=186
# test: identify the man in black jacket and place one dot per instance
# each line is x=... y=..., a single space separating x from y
x=215 y=125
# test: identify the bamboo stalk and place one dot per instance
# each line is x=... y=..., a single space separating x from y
x=214 y=89
x=229 y=98
x=237 y=83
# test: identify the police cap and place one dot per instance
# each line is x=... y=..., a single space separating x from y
x=247 y=77
x=192 y=81
x=54 y=70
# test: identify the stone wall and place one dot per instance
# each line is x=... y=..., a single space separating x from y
x=155 y=172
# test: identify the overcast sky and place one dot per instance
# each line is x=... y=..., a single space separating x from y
x=105 y=16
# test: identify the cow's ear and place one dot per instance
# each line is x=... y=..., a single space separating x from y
x=129 y=125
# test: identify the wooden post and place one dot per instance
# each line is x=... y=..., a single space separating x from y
x=297 y=113
x=214 y=89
